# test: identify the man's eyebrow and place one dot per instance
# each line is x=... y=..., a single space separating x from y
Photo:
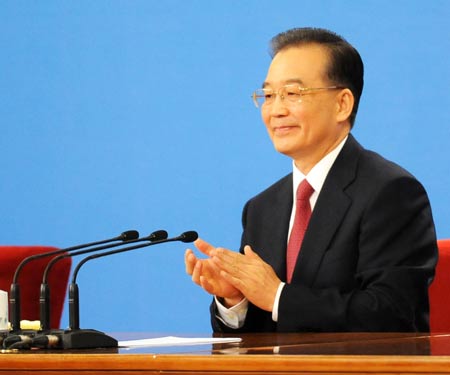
x=286 y=82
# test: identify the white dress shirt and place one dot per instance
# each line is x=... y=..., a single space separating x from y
x=234 y=317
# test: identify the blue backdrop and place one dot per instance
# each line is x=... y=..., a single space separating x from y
x=121 y=115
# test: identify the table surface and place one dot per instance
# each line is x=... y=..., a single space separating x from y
x=308 y=353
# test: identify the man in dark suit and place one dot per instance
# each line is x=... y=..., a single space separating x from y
x=369 y=251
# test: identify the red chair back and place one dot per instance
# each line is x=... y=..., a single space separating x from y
x=440 y=291
x=30 y=280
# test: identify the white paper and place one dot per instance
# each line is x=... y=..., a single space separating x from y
x=177 y=341
x=3 y=311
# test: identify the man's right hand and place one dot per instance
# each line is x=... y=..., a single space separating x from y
x=207 y=275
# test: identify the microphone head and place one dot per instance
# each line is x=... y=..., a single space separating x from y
x=129 y=235
x=189 y=236
x=158 y=235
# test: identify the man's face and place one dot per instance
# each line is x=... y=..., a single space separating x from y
x=306 y=130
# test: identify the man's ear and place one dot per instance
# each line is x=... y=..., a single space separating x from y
x=344 y=105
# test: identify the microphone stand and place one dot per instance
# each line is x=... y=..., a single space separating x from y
x=14 y=296
x=44 y=299
x=76 y=338
x=96 y=339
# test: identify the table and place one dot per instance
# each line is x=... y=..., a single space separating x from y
x=302 y=353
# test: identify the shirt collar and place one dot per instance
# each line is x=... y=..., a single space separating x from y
x=317 y=175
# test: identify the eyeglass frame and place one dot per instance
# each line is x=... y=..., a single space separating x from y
x=303 y=91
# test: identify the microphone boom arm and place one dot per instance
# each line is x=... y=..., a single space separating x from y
x=74 y=308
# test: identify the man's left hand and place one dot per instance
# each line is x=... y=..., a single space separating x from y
x=250 y=274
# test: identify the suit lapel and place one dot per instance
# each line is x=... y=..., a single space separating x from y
x=277 y=239
x=329 y=211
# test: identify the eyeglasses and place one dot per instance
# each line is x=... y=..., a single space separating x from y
x=292 y=93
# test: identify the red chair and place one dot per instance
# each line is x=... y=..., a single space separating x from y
x=439 y=292
x=30 y=280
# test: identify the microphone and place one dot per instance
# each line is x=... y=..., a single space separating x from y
x=14 y=297
x=44 y=299
x=155 y=238
x=189 y=236
x=76 y=338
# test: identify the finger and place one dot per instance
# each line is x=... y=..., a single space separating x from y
x=203 y=246
x=248 y=251
x=189 y=260
x=227 y=256
x=207 y=285
x=229 y=261
x=208 y=278
x=197 y=273
x=233 y=280
x=229 y=269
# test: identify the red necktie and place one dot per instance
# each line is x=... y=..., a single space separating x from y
x=302 y=215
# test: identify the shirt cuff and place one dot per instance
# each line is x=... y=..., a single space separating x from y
x=232 y=317
x=277 y=302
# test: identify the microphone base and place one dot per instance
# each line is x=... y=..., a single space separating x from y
x=86 y=339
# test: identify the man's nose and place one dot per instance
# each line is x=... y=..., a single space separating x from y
x=278 y=107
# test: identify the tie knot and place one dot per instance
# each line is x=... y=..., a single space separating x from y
x=304 y=191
